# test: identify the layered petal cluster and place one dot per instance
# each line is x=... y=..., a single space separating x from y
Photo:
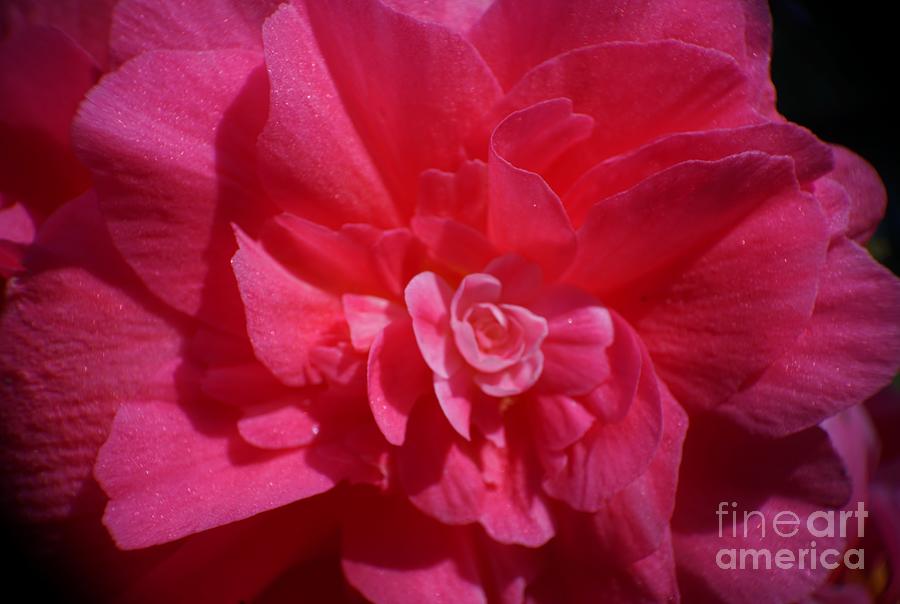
x=466 y=301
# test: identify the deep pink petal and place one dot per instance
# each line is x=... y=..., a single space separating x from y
x=611 y=400
x=242 y=385
x=438 y=471
x=169 y=474
x=524 y=214
x=461 y=195
x=142 y=25
x=397 y=377
x=43 y=77
x=453 y=244
x=428 y=302
x=611 y=456
x=580 y=330
x=280 y=424
x=649 y=90
x=801 y=474
x=848 y=352
x=94 y=324
x=367 y=316
x=453 y=395
x=559 y=421
x=516 y=35
x=313 y=162
x=699 y=317
x=521 y=279
x=286 y=317
x=868 y=197
x=384 y=64
x=835 y=203
x=393 y=554
x=812 y=159
x=455 y=15
x=170 y=172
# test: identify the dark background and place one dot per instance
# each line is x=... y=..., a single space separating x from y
x=835 y=66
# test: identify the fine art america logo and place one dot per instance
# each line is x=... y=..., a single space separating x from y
x=755 y=525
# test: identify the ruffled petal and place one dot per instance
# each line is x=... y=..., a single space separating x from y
x=868 y=197
x=367 y=316
x=428 y=302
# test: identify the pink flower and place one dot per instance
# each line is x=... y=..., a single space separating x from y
x=443 y=301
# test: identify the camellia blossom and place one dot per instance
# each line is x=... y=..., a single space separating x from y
x=450 y=301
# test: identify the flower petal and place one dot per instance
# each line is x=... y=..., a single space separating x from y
x=558 y=421
x=280 y=424
x=170 y=473
x=428 y=302
x=367 y=316
x=313 y=162
x=397 y=377
x=848 y=352
x=286 y=317
x=868 y=197
x=455 y=398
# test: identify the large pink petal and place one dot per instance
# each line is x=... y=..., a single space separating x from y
x=580 y=330
x=649 y=90
x=73 y=326
x=726 y=311
x=524 y=214
x=848 y=352
x=142 y=25
x=393 y=554
x=171 y=172
x=868 y=197
x=428 y=302
x=313 y=162
x=286 y=316
x=801 y=474
x=515 y=35
x=397 y=377
x=812 y=159
x=610 y=456
x=412 y=88
x=171 y=472
x=43 y=77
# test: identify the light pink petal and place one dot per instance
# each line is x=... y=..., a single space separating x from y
x=611 y=456
x=521 y=279
x=812 y=158
x=16 y=224
x=474 y=289
x=397 y=377
x=534 y=327
x=699 y=317
x=393 y=554
x=313 y=162
x=580 y=330
x=72 y=326
x=171 y=172
x=286 y=317
x=515 y=35
x=453 y=244
x=428 y=302
x=169 y=474
x=280 y=424
x=142 y=25
x=649 y=90
x=515 y=510
x=868 y=197
x=453 y=395
x=801 y=474
x=335 y=260
x=513 y=380
x=559 y=421
x=384 y=64
x=849 y=350
x=611 y=400
x=524 y=214
x=455 y=15
x=43 y=77
x=367 y=316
